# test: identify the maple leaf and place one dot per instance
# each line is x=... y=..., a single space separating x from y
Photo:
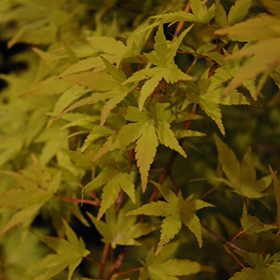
x=263 y=55
x=31 y=196
x=70 y=253
x=147 y=130
x=241 y=176
x=120 y=229
x=113 y=180
x=177 y=211
x=109 y=84
x=261 y=268
x=252 y=225
x=200 y=13
x=238 y=11
x=163 y=58
x=162 y=266
x=209 y=103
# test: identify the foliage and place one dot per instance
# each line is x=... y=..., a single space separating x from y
x=120 y=120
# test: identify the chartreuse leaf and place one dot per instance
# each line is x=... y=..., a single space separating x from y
x=200 y=13
x=120 y=229
x=220 y=14
x=228 y=70
x=252 y=225
x=66 y=99
x=238 y=11
x=253 y=29
x=69 y=255
x=176 y=211
x=276 y=184
x=241 y=177
x=32 y=195
x=109 y=84
x=200 y=10
x=266 y=57
x=165 y=68
x=209 y=103
x=268 y=268
x=111 y=191
x=147 y=131
x=162 y=266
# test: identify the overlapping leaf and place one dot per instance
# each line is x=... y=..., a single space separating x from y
x=113 y=181
x=177 y=211
x=241 y=176
x=69 y=255
x=120 y=229
x=31 y=196
x=163 y=266
x=110 y=86
x=261 y=268
x=200 y=13
x=252 y=225
x=147 y=130
x=163 y=58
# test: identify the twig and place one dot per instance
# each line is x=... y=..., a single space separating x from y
x=223 y=239
x=95 y=262
x=181 y=24
x=129 y=271
x=103 y=260
x=77 y=200
x=118 y=263
x=237 y=260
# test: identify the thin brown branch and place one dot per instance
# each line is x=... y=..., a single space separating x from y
x=103 y=260
x=95 y=262
x=181 y=24
x=118 y=263
x=76 y=200
x=223 y=239
x=210 y=191
x=128 y=271
x=267 y=246
x=237 y=260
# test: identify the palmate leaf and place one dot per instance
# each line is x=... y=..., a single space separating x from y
x=108 y=84
x=69 y=255
x=176 y=211
x=147 y=131
x=252 y=225
x=253 y=29
x=120 y=229
x=200 y=13
x=209 y=103
x=238 y=11
x=266 y=57
x=268 y=268
x=111 y=191
x=241 y=176
x=162 y=266
x=165 y=68
x=32 y=195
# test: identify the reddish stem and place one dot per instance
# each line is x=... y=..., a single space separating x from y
x=76 y=200
x=129 y=271
x=95 y=262
x=103 y=260
x=181 y=24
x=237 y=260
